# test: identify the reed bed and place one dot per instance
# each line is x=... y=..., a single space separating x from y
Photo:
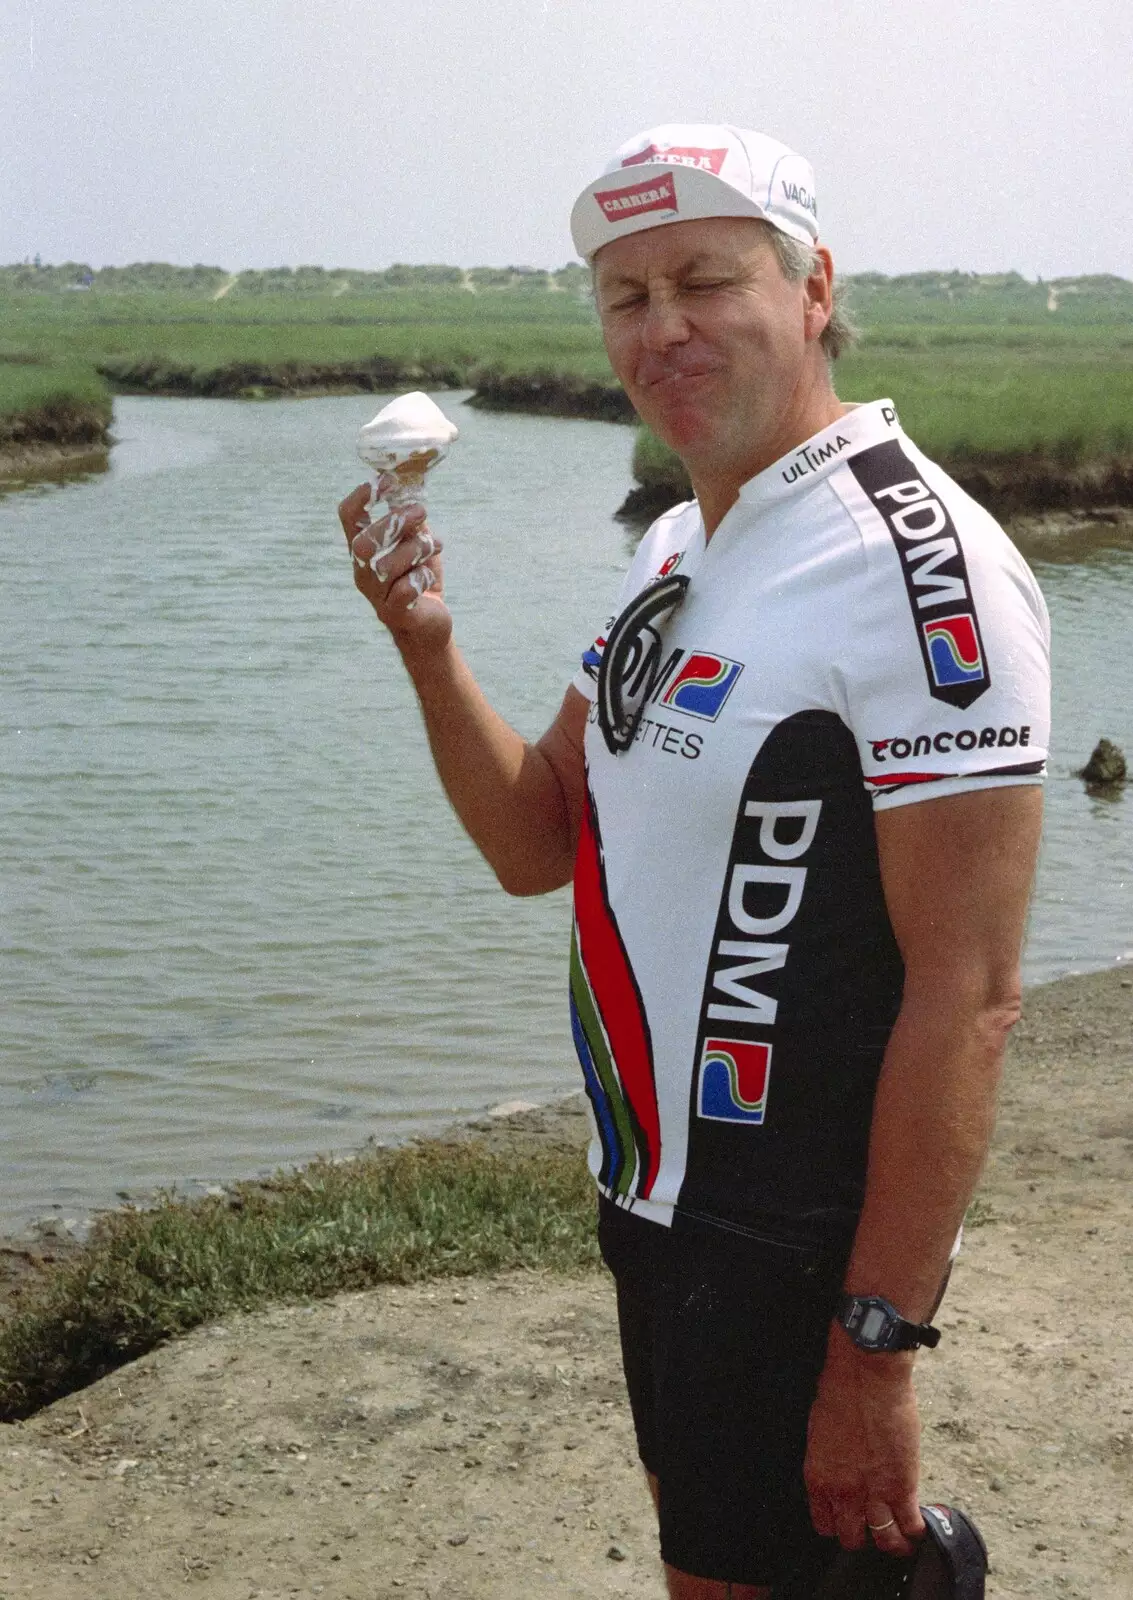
x=980 y=369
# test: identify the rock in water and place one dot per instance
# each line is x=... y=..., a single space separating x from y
x=1106 y=765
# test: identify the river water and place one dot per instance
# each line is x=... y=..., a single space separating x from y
x=240 y=925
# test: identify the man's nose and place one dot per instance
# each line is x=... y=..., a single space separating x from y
x=665 y=324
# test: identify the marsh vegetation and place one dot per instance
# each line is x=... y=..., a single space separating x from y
x=1026 y=383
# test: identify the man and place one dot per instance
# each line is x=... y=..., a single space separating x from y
x=795 y=785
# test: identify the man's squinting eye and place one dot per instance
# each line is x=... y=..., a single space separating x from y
x=627 y=300
x=632 y=299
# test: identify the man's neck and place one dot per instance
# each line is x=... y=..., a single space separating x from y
x=717 y=487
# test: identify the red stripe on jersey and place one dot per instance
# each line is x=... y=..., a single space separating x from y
x=897 y=779
x=1021 y=769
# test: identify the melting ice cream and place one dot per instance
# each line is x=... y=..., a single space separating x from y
x=399 y=445
x=406 y=437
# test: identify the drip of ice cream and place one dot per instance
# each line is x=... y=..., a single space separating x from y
x=404 y=440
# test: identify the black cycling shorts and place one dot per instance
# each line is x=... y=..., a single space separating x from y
x=723 y=1339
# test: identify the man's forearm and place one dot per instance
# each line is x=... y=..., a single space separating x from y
x=505 y=791
x=520 y=802
x=932 y=1123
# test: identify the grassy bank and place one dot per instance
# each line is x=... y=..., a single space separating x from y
x=49 y=409
x=428 y=1210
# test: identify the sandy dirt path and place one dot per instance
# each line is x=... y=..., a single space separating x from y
x=470 y=1439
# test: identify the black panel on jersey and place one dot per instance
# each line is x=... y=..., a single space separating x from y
x=935 y=572
x=831 y=974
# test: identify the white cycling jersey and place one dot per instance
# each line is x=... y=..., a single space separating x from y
x=857 y=634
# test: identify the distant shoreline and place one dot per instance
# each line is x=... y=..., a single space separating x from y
x=54 y=436
x=40 y=459
x=506 y=1189
x=1004 y=482
x=1024 y=391
x=44 y=442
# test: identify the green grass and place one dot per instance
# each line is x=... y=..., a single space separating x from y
x=183 y=344
x=46 y=402
x=426 y=1211
x=1069 y=399
x=30 y=381
x=991 y=300
x=439 y=328
x=978 y=366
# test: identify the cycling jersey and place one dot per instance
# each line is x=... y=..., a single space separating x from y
x=857 y=634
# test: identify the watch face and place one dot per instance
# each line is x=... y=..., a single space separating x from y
x=874 y=1325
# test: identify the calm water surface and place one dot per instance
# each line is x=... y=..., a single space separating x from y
x=240 y=925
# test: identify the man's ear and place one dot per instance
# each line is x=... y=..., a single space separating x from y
x=819 y=289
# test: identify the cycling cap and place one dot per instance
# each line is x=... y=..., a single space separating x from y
x=949 y=1563
x=682 y=171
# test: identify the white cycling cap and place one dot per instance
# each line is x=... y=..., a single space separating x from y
x=681 y=171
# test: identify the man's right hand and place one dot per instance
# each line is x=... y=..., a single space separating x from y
x=405 y=586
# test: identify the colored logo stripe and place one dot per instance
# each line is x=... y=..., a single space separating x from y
x=617 y=1001
x=607 y=1133
x=954 y=650
x=615 y=1129
x=702 y=685
x=733 y=1080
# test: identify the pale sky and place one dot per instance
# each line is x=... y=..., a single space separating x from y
x=256 y=133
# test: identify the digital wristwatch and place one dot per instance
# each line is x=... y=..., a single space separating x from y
x=874 y=1325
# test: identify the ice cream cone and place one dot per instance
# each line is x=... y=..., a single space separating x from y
x=400 y=445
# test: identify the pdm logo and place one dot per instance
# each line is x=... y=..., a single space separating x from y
x=935 y=572
x=953 y=650
x=733 y=1080
x=702 y=685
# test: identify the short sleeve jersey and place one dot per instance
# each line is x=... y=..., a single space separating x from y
x=858 y=634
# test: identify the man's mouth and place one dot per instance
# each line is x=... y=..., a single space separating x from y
x=673 y=378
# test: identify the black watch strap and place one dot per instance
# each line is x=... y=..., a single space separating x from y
x=874 y=1325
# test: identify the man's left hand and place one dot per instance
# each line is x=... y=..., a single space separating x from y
x=863 y=1450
